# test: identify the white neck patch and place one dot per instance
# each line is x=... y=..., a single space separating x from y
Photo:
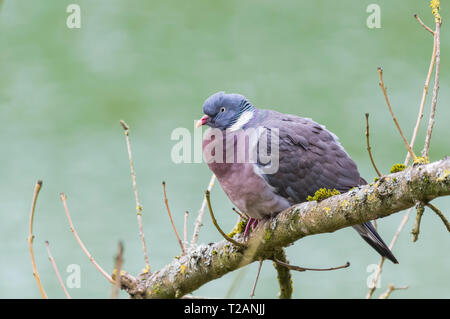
x=242 y=120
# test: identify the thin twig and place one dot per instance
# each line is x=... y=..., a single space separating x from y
x=241 y=215
x=139 y=207
x=382 y=259
x=422 y=102
x=440 y=214
x=297 y=268
x=199 y=220
x=185 y=243
x=420 y=207
x=78 y=239
x=208 y=201
x=252 y=294
x=368 y=146
x=37 y=189
x=423 y=24
x=383 y=88
x=166 y=201
x=390 y=289
x=55 y=268
x=117 y=271
x=437 y=38
x=399 y=229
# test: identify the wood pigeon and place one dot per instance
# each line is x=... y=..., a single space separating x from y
x=309 y=158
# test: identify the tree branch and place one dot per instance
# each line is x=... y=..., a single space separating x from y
x=166 y=201
x=55 y=268
x=369 y=148
x=301 y=269
x=420 y=207
x=437 y=41
x=198 y=221
x=390 y=289
x=423 y=24
x=441 y=215
x=424 y=95
x=383 y=88
x=390 y=194
x=37 y=189
x=283 y=275
x=139 y=207
x=252 y=294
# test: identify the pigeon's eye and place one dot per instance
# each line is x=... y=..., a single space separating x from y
x=222 y=109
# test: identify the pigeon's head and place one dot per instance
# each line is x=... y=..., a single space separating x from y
x=226 y=111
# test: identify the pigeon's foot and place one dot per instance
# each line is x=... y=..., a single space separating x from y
x=252 y=222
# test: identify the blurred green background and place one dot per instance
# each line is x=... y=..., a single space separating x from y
x=152 y=64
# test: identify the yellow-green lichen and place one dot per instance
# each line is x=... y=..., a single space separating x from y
x=182 y=268
x=239 y=228
x=421 y=160
x=435 y=6
x=267 y=235
x=322 y=194
x=156 y=289
x=397 y=168
x=146 y=270
x=344 y=203
x=371 y=197
x=443 y=176
x=114 y=273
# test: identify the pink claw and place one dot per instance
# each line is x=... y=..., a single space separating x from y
x=252 y=222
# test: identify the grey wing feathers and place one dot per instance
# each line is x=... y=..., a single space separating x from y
x=310 y=157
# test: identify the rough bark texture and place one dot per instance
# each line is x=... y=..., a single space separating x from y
x=390 y=194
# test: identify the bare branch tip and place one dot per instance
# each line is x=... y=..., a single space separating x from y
x=166 y=201
x=124 y=125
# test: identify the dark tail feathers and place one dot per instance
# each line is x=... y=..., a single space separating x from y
x=370 y=235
